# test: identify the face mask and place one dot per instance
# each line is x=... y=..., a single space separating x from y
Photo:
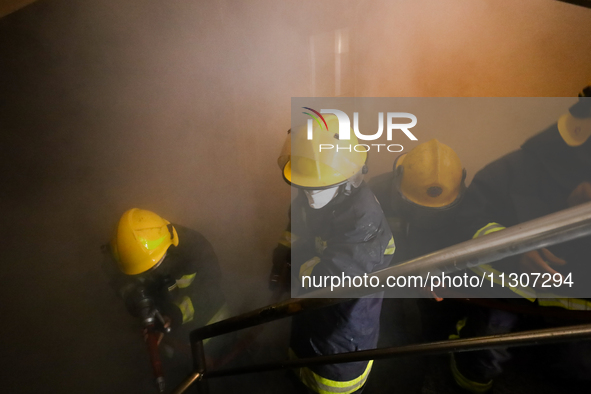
x=319 y=198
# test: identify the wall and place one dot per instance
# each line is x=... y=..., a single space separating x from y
x=181 y=107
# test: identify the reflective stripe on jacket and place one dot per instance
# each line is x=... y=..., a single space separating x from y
x=529 y=293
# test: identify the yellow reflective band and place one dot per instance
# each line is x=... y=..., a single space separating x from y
x=467 y=384
x=287 y=238
x=391 y=248
x=185 y=281
x=151 y=244
x=186 y=307
x=572 y=304
x=308 y=266
x=489 y=228
x=461 y=380
x=321 y=385
x=459 y=325
x=486 y=271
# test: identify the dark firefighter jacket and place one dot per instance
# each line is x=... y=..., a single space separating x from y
x=350 y=236
x=531 y=182
x=185 y=286
x=415 y=240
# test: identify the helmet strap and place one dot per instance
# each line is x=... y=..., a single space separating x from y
x=347 y=188
x=170 y=230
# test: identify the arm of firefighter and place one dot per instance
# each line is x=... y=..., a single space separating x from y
x=197 y=283
x=170 y=304
x=535 y=261
x=139 y=302
x=178 y=299
x=357 y=249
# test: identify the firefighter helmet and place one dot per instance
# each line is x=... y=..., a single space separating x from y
x=141 y=240
x=324 y=161
x=430 y=175
x=575 y=125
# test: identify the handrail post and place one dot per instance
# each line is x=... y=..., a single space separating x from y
x=199 y=364
x=184 y=386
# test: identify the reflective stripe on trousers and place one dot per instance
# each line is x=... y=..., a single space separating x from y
x=461 y=380
x=465 y=383
x=321 y=385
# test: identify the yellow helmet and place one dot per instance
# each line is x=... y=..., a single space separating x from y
x=141 y=240
x=431 y=175
x=575 y=126
x=313 y=167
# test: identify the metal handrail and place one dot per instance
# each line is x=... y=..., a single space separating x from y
x=524 y=338
x=539 y=233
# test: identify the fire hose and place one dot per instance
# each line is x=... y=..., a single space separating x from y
x=154 y=326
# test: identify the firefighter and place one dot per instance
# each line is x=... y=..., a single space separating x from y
x=164 y=267
x=422 y=198
x=337 y=227
x=551 y=172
